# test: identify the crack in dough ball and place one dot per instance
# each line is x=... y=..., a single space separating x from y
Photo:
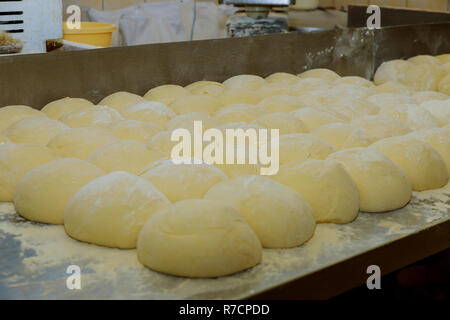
x=354 y=108
x=16 y=159
x=183 y=181
x=313 y=117
x=439 y=139
x=150 y=111
x=283 y=78
x=423 y=96
x=279 y=215
x=198 y=239
x=321 y=73
x=124 y=155
x=327 y=187
x=166 y=94
x=440 y=109
x=120 y=100
x=412 y=116
x=111 y=210
x=91 y=116
x=56 y=109
x=35 y=130
x=11 y=114
x=281 y=103
x=186 y=121
x=245 y=81
x=342 y=135
x=381 y=126
x=213 y=90
x=302 y=146
x=44 y=192
x=382 y=185
x=80 y=142
x=140 y=131
x=196 y=103
x=284 y=122
x=239 y=113
x=425 y=167
x=236 y=96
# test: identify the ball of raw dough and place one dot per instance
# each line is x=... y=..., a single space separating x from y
x=186 y=121
x=198 y=238
x=120 y=100
x=124 y=155
x=386 y=101
x=162 y=143
x=80 y=142
x=282 y=78
x=151 y=111
x=235 y=96
x=183 y=181
x=35 y=130
x=281 y=103
x=342 y=135
x=424 y=59
x=313 y=117
x=279 y=216
x=44 y=192
x=12 y=114
x=244 y=81
x=382 y=185
x=307 y=85
x=344 y=91
x=111 y=210
x=199 y=84
x=238 y=112
x=321 y=73
x=327 y=187
x=166 y=94
x=301 y=147
x=213 y=90
x=393 y=87
x=412 y=116
x=233 y=170
x=16 y=159
x=439 y=139
x=423 y=96
x=355 y=80
x=196 y=103
x=58 y=108
x=381 y=126
x=425 y=167
x=440 y=109
x=136 y=130
x=273 y=89
x=354 y=108
x=91 y=116
x=444 y=58
x=394 y=70
x=282 y=121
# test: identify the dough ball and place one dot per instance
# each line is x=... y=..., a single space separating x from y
x=424 y=59
x=236 y=170
x=381 y=126
x=412 y=116
x=280 y=217
x=325 y=74
x=440 y=109
x=162 y=143
x=136 y=130
x=239 y=125
x=342 y=135
x=393 y=87
x=183 y=181
x=199 y=84
x=425 y=167
x=423 y=77
x=308 y=85
x=44 y=192
x=196 y=103
x=282 y=121
x=313 y=117
x=354 y=108
x=382 y=185
x=210 y=90
x=302 y=146
x=111 y=210
x=150 y=111
x=12 y=114
x=282 y=78
x=166 y=94
x=80 y=142
x=386 y=101
x=120 y=100
x=272 y=89
x=16 y=159
x=444 y=58
x=344 y=91
x=198 y=238
x=354 y=80
x=444 y=85
x=394 y=70
x=91 y=116
x=124 y=155
x=281 y=103
x=35 y=130
x=186 y=121
x=58 y=108
x=423 y=96
x=235 y=96
x=439 y=139
x=244 y=81
x=239 y=112
x=327 y=187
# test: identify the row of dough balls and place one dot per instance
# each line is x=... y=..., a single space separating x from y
x=420 y=73
x=200 y=235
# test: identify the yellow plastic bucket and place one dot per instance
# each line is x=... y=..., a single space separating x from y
x=93 y=33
